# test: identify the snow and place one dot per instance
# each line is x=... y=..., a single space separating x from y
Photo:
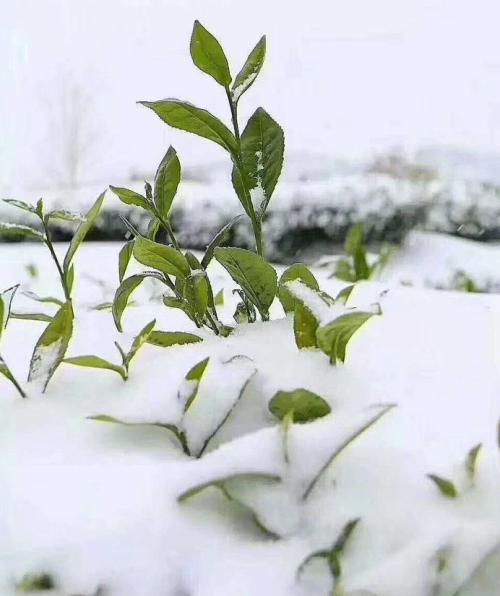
x=243 y=86
x=96 y=503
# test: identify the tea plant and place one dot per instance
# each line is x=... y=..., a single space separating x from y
x=257 y=158
x=51 y=347
x=6 y=298
x=355 y=266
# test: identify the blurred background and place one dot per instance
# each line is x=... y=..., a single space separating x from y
x=391 y=112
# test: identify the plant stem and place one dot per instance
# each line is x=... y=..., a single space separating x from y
x=8 y=375
x=168 y=228
x=50 y=246
x=256 y=223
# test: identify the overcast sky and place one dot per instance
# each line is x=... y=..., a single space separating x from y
x=344 y=77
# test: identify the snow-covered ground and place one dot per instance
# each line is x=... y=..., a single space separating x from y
x=96 y=504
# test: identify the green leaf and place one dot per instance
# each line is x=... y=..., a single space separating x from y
x=6 y=298
x=122 y=296
x=64 y=215
x=305 y=327
x=196 y=293
x=82 y=231
x=5 y=371
x=92 y=361
x=124 y=259
x=334 y=337
x=189 y=390
x=139 y=341
x=130 y=197
x=256 y=277
x=262 y=148
x=20 y=230
x=51 y=347
x=247 y=75
x=170 y=427
x=21 y=205
x=220 y=238
x=153 y=227
x=43 y=299
x=471 y=461
x=361 y=267
x=344 y=294
x=70 y=278
x=185 y=116
x=31 y=316
x=343 y=446
x=36 y=582
x=39 y=208
x=167 y=181
x=219 y=298
x=208 y=55
x=446 y=487
x=305 y=405
x=296 y=271
x=166 y=259
x=215 y=482
x=102 y=306
x=166 y=339
x=355 y=239
x=344 y=271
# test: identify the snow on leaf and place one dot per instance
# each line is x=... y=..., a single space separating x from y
x=51 y=348
x=247 y=75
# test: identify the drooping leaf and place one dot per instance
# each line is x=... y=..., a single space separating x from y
x=167 y=181
x=305 y=405
x=122 y=296
x=166 y=339
x=139 y=340
x=21 y=205
x=6 y=298
x=64 y=215
x=43 y=299
x=7 y=229
x=446 y=487
x=130 y=197
x=296 y=271
x=471 y=461
x=208 y=55
x=185 y=116
x=124 y=259
x=82 y=231
x=334 y=337
x=262 y=149
x=220 y=238
x=256 y=277
x=170 y=427
x=166 y=259
x=382 y=411
x=31 y=316
x=247 y=75
x=92 y=361
x=253 y=476
x=6 y=372
x=51 y=347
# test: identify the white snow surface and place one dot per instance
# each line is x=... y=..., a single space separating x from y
x=96 y=504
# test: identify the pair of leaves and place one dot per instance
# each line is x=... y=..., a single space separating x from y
x=92 y=361
x=333 y=554
x=167 y=179
x=209 y=57
x=256 y=277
